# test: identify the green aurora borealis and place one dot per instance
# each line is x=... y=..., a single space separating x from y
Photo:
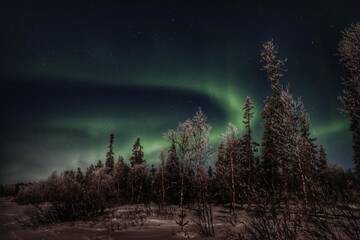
x=72 y=78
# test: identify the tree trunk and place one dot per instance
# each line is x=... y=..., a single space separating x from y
x=233 y=194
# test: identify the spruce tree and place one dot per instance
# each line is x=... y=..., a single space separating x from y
x=138 y=173
x=99 y=164
x=272 y=143
x=306 y=154
x=322 y=160
x=172 y=175
x=248 y=115
x=349 y=51
x=137 y=154
x=246 y=163
x=79 y=176
x=109 y=162
x=279 y=130
x=221 y=172
x=121 y=181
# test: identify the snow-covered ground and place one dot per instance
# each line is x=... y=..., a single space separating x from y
x=10 y=229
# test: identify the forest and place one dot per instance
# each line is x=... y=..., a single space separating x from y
x=280 y=188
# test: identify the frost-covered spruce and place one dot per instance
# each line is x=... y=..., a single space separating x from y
x=349 y=51
x=279 y=129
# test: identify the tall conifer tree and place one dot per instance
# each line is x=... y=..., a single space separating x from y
x=246 y=163
x=172 y=175
x=110 y=161
x=349 y=51
x=322 y=160
x=137 y=153
x=279 y=130
x=306 y=155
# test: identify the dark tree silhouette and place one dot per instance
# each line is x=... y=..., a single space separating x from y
x=99 y=164
x=137 y=156
x=172 y=175
x=349 y=51
x=121 y=180
x=79 y=176
x=322 y=160
x=246 y=161
x=221 y=173
x=110 y=161
x=277 y=115
x=306 y=155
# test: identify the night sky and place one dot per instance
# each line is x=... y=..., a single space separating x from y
x=71 y=74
